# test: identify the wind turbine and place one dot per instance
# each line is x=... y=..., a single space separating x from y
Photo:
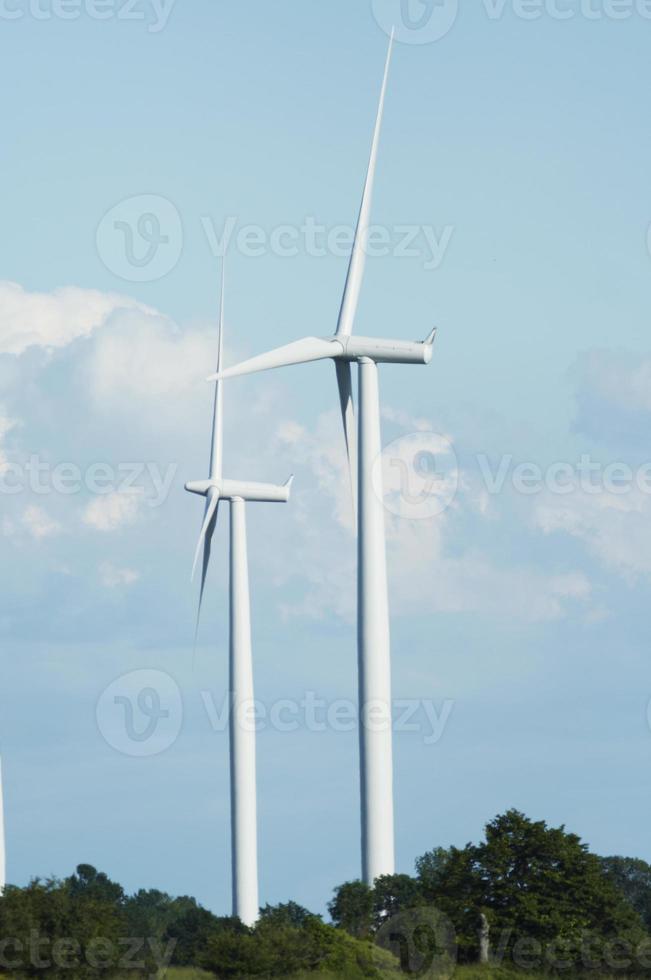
x=242 y=738
x=376 y=755
x=3 y=863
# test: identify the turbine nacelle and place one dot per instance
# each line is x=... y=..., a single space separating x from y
x=341 y=347
x=387 y=351
x=242 y=490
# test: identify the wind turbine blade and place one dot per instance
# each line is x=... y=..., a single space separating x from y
x=206 y=533
x=345 y=384
x=300 y=352
x=205 y=540
x=357 y=262
x=217 y=443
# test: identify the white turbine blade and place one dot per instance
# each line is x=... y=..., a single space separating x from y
x=345 y=384
x=300 y=352
x=205 y=539
x=357 y=263
x=217 y=444
x=206 y=531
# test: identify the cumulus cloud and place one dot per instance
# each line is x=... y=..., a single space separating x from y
x=112 y=511
x=53 y=319
x=112 y=577
x=615 y=528
x=39 y=524
x=6 y=425
x=143 y=358
x=613 y=395
x=428 y=570
x=425 y=576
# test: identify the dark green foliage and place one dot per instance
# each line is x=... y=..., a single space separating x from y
x=545 y=896
x=352 y=908
x=289 y=914
x=550 y=904
x=633 y=878
x=272 y=950
x=393 y=894
x=59 y=928
x=191 y=931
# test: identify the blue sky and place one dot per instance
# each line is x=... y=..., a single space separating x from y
x=518 y=142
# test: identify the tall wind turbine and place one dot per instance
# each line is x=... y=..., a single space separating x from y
x=242 y=739
x=376 y=756
x=3 y=863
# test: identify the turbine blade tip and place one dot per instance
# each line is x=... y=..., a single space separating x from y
x=432 y=336
x=289 y=482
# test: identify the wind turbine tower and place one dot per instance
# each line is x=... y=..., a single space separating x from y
x=3 y=860
x=374 y=666
x=242 y=737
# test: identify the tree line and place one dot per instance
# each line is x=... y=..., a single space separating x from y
x=527 y=896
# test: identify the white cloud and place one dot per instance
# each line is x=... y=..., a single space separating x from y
x=112 y=511
x=426 y=575
x=7 y=527
x=112 y=577
x=615 y=528
x=53 y=319
x=6 y=425
x=145 y=357
x=619 y=379
x=38 y=523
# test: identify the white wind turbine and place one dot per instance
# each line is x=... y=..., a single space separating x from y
x=376 y=756
x=242 y=739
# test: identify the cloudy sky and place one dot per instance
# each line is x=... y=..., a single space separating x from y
x=142 y=140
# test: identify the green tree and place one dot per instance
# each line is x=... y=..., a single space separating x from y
x=393 y=894
x=632 y=877
x=88 y=883
x=534 y=883
x=290 y=914
x=352 y=908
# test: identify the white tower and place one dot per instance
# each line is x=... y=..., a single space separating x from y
x=3 y=860
x=374 y=658
x=242 y=735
